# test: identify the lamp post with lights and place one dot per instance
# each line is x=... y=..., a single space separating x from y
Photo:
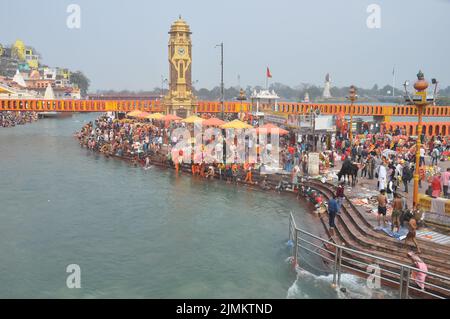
x=352 y=96
x=421 y=102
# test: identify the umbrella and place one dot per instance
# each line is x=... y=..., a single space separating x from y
x=236 y=124
x=269 y=127
x=155 y=116
x=213 y=122
x=401 y=137
x=193 y=119
x=142 y=115
x=388 y=152
x=171 y=117
x=134 y=113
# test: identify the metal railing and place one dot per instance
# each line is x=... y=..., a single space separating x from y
x=377 y=269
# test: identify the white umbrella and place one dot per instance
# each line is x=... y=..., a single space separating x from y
x=388 y=152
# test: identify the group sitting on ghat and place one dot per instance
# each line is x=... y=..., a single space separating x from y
x=389 y=158
x=143 y=142
x=11 y=119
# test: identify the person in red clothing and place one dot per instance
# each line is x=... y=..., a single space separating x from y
x=340 y=196
x=436 y=186
x=291 y=150
x=445 y=180
x=338 y=144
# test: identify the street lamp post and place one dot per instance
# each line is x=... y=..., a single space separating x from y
x=221 y=78
x=421 y=102
x=314 y=112
x=352 y=97
x=163 y=80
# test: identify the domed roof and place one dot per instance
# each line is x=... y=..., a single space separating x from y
x=180 y=26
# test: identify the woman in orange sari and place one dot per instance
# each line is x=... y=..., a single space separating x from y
x=248 y=176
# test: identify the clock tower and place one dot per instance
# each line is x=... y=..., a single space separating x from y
x=180 y=100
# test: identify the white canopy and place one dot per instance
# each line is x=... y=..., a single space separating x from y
x=265 y=94
x=18 y=78
x=49 y=94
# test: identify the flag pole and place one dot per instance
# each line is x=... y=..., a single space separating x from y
x=393 y=81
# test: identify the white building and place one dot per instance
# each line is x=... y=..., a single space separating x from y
x=264 y=97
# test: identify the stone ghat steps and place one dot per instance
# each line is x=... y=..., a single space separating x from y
x=442 y=249
x=346 y=235
x=367 y=237
x=389 y=271
x=432 y=253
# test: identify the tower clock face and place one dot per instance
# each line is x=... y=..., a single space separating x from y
x=181 y=51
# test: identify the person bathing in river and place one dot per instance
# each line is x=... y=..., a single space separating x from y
x=248 y=176
x=210 y=173
x=264 y=185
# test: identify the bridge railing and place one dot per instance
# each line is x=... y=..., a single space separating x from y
x=63 y=105
x=374 y=268
x=41 y=105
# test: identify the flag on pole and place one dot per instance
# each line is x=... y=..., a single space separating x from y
x=393 y=70
x=269 y=75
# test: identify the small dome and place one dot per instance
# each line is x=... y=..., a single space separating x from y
x=180 y=26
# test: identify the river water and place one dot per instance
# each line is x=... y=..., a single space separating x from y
x=136 y=233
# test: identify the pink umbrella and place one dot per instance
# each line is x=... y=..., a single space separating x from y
x=269 y=127
x=171 y=117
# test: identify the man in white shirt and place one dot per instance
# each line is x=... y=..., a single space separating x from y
x=399 y=169
x=422 y=156
x=382 y=173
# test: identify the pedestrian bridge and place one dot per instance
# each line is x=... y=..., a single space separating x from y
x=284 y=109
x=37 y=105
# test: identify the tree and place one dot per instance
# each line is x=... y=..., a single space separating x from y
x=374 y=90
x=79 y=79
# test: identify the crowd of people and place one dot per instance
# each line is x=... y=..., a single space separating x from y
x=387 y=158
x=10 y=118
x=139 y=141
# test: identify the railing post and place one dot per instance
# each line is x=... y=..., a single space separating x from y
x=290 y=227
x=335 y=267
x=339 y=266
x=408 y=273
x=401 y=282
x=295 y=248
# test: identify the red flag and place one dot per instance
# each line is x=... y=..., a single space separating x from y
x=269 y=75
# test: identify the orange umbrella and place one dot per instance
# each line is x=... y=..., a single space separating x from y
x=134 y=113
x=142 y=115
x=269 y=127
x=213 y=122
x=171 y=117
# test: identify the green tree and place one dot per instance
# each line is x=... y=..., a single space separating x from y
x=80 y=80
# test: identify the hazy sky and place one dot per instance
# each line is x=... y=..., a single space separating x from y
x=123 y=44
